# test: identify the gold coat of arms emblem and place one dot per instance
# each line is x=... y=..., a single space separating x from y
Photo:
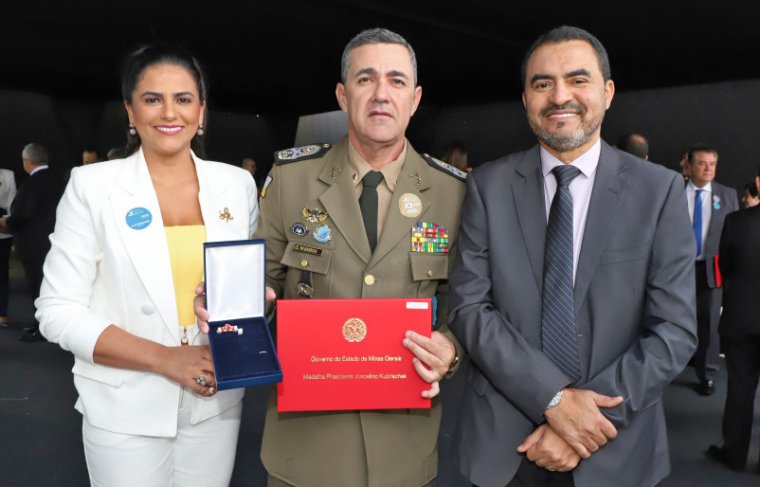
x=354 y=330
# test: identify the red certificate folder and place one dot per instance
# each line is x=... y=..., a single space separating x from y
x=339 y=354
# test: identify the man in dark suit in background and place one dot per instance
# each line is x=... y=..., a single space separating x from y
x=574 y=328
x=635 y=144
x=740 y=331
x=709 y=203
x=32 y=219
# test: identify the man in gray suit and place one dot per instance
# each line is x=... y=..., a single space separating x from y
x=570 y=350
x=709 y=203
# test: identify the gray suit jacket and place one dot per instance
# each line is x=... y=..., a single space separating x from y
x=634 y=300
x=727 y=202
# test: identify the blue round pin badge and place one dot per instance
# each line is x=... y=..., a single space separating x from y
x=299 y=229
x=138 y=218
x=322 y=234
x=716 y=205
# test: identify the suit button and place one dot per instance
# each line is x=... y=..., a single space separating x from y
x=369 y=279
x=147 y=309
x=304 y=263
x=430 y=273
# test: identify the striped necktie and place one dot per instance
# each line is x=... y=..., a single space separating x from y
x=558 y=334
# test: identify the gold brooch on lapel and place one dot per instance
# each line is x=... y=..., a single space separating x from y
x=416 y=175
x=226 y=215
x=334 y=170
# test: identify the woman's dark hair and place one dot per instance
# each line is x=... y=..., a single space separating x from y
x=134 y=65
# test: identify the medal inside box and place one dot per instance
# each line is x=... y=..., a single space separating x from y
x=242 y=348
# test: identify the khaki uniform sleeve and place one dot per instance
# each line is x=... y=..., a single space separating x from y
x=271 y=229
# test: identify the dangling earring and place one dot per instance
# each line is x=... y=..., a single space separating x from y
x=132 y=130
x=200 y=130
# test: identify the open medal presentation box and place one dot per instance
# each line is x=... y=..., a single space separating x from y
x=241 y=345
x=347 y=354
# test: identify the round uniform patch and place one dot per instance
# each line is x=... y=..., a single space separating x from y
x=322 y=234
x=138 y=218
x=410 y=205
x=299 y=230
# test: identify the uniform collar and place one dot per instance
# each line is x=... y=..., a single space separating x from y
x=390 y=171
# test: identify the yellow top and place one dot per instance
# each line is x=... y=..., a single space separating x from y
x=185 y=244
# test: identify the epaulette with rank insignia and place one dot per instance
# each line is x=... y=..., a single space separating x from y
x=447 y=168
x=303 y=153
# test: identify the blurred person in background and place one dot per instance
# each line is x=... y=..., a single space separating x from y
x=456 y=155
x=31 y=220
x=7 y=193
x=750 y=196
x=90 y=156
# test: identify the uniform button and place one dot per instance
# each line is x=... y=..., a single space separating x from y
x=430 y=273
x=369 y=279
x=147 y=309
x=304 y=263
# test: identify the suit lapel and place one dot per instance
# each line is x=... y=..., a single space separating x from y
x=339 y=202
x=396 y=225
x=531 y=211
x=210 y=194
x=605 y=197
x=146 y=247
x=715 y=227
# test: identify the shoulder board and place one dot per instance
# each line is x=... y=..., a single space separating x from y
x=447 y=168
x=296 y=154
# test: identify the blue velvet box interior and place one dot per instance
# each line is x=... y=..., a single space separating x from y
x=234 y=273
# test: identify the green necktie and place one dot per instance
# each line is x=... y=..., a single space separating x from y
x=368 y=205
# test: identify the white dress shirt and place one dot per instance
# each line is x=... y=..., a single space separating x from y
x=707 y=197
x=580 y=190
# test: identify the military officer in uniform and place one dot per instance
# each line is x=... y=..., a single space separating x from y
x=338 y=222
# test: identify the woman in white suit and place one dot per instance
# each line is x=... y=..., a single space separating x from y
x=120 y=277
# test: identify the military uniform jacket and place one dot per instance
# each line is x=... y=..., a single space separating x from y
x=355 y=448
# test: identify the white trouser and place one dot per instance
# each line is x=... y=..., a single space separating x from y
x=199 y=456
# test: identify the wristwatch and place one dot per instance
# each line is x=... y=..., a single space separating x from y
x=452 y=367
x=555 y=400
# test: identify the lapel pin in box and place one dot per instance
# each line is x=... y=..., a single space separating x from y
x=241 y=345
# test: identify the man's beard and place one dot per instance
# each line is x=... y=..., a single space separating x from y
x=568 y=141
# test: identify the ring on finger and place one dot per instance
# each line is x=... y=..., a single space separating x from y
x=211 y=391
x=201 y=380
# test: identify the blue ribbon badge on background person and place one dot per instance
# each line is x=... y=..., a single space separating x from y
x=138 y=218
x=716 y=202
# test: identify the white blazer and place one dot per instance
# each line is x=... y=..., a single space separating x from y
x=102 y=271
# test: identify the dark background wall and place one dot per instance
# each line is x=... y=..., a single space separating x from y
x=66 y=127
x=720 y=114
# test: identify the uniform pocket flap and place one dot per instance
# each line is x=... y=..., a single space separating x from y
x=427 y=267
x=307 y=257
